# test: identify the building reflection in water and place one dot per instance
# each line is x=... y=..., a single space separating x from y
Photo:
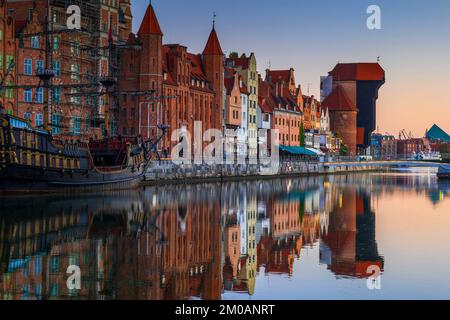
x=189 y=242
x=128 y=246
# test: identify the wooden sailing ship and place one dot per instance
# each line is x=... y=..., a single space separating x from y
x=32 y=160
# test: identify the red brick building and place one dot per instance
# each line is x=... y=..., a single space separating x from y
x=354 y=89
x=7 y=57
x=343 y=117
x=410 y=147
x=279 y=94
x=141 y=70
x=188 y=87
x=77 y=59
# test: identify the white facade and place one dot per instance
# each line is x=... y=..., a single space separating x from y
x=243 y=130
x=325 y=121
x=264 y=119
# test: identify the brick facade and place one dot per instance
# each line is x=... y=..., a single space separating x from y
x=188 y=87
x=77 y=58
x=7 y=57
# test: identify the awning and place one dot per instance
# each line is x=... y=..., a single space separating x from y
x=319 y=153
x=299 y=151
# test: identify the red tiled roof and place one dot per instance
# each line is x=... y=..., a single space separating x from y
x=244 y=89
x=150 y=24
x=264 y=105
x=270 y=101
x=279 y=76
x=338 y=101
x=196 y=66
x=358 y=72
x=213 y=45
x=169 y=80
x=197 y=72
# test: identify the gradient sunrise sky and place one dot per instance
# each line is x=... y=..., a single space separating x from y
x=312 y=36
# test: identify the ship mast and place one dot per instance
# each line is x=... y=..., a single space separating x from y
x=48 y=73
x=105 y=85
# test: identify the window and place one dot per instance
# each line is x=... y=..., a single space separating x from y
x=56 y=95
x=10 y=91
x=39 y=119
x=75 y=70
x=35 y=42
x=57 y=17
x=75 y=48
x=54 y=291
x=56 y=43
x=76 y=125
x=28 y=95
x=9 y=60
x=75 y=98
x=87 y=125
x=39 y=66
x=57 y=68
x=40 y=95
x=56 y=120
x=28 y=67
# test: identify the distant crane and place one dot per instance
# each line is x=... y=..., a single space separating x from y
x=403 y=135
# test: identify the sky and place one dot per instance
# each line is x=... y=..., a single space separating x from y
x=312 y=36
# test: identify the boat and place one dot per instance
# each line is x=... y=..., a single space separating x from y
x=32 y=160
x=444 y=172
x=430 y=156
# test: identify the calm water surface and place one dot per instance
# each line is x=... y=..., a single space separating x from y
x=312 y=238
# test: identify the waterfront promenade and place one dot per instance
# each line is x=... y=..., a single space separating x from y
x=168 y=172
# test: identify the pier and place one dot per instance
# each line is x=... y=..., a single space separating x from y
x=168 y=172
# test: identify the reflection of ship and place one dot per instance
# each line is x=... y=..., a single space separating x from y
x=349 y=248
x=129 y=245
x=30 y=160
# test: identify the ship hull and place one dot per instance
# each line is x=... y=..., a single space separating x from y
x=26 y=179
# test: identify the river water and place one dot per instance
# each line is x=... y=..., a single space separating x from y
x=358 y=236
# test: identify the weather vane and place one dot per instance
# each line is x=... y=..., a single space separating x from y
x=214 y=19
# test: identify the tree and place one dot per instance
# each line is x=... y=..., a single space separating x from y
x=344 y=150
x=234 y=55
x=302 y=136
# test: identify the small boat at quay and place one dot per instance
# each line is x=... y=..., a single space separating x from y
x=444 y=172
x=32 y=160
